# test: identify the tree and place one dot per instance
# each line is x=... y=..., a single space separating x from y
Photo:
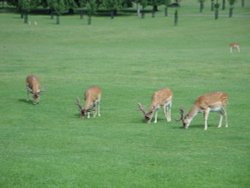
x=58 y=6
x=212 y=5
x=143 y=4
x=216 y=13
x=176 y=17
x=167 y=2
x=25 y=6
x=223 y=4
x=231 y=4
x=201 y=5
x=242 y=3
x=154 y=4
x=91 y=8
x=82 y=4
x=112 y=6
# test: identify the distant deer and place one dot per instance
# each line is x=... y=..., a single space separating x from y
x=32 y=86
x=234 y=46
x=161 y=98
x=211 y=102
x=92 y=97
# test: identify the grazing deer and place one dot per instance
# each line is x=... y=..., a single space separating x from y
x=161 y=98
x=92 y=97
x=211 y=102
x=234 y=46
x=32 y=86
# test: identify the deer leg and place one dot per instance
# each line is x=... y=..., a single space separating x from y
x=95 y=110
x=225 y=114
x=206 y=113
x=98 y=109
x=28 y=98
x=156 y=114
x=238 y=48
x=28 y=92
x=220 y=121
x=169 y=112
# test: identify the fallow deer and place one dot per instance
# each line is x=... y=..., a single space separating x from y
x=92 y=97
x=161 y=98
x=32 y=86
x=210 y=102
x=233 y=46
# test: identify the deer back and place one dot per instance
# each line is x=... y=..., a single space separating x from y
x=33 y=83
x=91 y=95
x=211 y=100
x=161 y=97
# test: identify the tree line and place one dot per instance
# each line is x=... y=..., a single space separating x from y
x=89 y=7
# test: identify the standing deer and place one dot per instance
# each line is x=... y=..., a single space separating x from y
x=161 y=98
x=210 y=102
x=92 y=97
x=32 y=86
x=233 y=46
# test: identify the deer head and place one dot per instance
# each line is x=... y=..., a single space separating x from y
x=147 y=115
x=182 y=118
x=82 y=113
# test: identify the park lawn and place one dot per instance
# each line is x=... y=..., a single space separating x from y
x=48 y=145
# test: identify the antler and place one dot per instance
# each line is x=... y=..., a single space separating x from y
x=78 y=103
x=141 y=107
x=182 y=115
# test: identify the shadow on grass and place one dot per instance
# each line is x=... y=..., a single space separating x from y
x=25 y=101
x=77 y=115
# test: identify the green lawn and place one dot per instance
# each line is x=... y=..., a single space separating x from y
x=48 y=145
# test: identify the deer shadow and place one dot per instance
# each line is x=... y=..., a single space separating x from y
x=25 y=101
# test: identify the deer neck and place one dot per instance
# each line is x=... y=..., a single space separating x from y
x=88 y=104
x=192 y=113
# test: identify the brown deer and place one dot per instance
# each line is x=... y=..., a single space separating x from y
x=161 y=98
x=210 y=102
x=233 y=46
x=32 y=86
x=92 y=97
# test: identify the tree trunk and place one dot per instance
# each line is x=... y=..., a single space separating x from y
x=166 y=11
x=21 y=15
x=26 y=19
x=201 y=6
x=81 y=14
x=112 y=13
x=58 y=19
x=142 y=13
x=216 y=13
x=212 y=5
x=138 y=8
x=242 y=3
x=231 y=12
x=176 y=17
x=89 y=19
x=153 y=13
x=223 y=4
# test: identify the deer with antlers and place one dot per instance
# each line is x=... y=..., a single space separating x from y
x=161 y=98
x=92 y=97
x=33 y=87
x=233 y=46
x=210 y=102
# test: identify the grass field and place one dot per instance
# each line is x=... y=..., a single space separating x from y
x=48 y=145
